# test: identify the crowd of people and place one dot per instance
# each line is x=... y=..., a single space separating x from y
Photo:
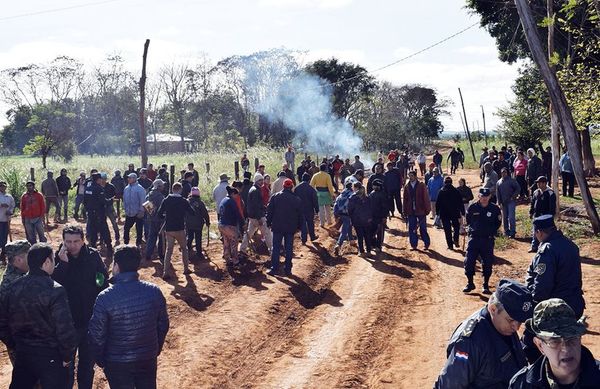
x=122 y=327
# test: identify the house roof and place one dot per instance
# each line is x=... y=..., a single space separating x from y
x=166 y=138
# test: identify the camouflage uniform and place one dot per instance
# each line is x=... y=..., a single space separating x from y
x=12 y=273
x=35 y=320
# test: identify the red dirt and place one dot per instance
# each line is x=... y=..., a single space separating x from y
x=338 y=322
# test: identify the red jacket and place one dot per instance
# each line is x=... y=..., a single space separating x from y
x=32 y=205
x=422 y=204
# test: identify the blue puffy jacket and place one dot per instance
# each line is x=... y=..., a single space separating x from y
x=359 y=209
x=434 y=185
x=130 y=321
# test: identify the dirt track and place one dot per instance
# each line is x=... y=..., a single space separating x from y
x=338 y=322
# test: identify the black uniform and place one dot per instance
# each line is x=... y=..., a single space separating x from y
x=483 y=223
x=542 y=203
x=479 y=356
x=454 y=158
x=95 y=204
x=380 y=210
x=36 y=322
x=450 y=208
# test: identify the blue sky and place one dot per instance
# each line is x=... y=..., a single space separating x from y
x=371 y=33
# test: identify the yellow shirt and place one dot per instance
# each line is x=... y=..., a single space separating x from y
x=322 y=180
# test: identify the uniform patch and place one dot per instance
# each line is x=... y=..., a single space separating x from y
x=468 y=330
x=526 y=306
x=489 y=214
x=540 y=268
x=461 y=355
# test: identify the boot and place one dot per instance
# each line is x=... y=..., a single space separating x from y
x=470 y=285
x=486 y=286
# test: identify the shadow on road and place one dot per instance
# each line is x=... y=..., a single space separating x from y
x=307 y=297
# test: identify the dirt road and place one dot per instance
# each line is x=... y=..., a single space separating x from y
x=337 y=323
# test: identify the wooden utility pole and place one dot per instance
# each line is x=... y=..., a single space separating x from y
x=560 y=107
x=462 y=121
x=143 y=150
x=554 y=125
x=484 y=127
x=466 y=125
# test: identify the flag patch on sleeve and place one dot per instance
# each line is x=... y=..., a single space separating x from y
x=461 y=355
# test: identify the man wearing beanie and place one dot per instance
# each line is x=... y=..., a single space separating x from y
x=284 y=217
x=194 y=224
x=310 y=205
x=566 y=363
x=485 y=351
x=256 y=210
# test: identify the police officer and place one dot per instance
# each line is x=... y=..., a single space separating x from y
x=483 y=221
x=485 y=351
x=554 y=272
x=543 y=202
x=95 y=204
x=566 y=362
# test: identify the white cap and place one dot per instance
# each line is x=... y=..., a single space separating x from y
x=258 y=177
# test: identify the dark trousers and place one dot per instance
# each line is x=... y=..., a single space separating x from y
x=154 y=235
x=131 y=375
x=96 y=224
x=523 y=184
x=395 y=196
x=568 y=183
x=378 y=233
x=197 y=235
x=33 y=365
x=420 y=223
x=453 y=166
x=85 y=363
x=308 y=227
x=3 y=234
x=451 y=231
x=363 y=233
x=479 y=247
x=278 y=237
x=139 y=229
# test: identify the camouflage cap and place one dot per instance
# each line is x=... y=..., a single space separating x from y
x=17 y=247
x=554 y=318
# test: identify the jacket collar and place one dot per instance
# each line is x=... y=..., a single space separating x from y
x=125 y=277
x=38 y=272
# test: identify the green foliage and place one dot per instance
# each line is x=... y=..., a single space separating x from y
x=15 y=178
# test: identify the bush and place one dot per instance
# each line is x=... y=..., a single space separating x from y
x=16 y=182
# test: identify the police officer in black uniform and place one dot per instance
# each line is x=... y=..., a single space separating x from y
x=95 y=204
x=483 y=221
x=485 y=351
x=554 y=272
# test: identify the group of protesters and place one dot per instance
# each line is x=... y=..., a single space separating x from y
x=97 y=323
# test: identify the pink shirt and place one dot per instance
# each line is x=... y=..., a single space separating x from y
x=520 y=167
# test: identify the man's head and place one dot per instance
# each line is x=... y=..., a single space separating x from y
x=259 y=179
x=16 y=254
x=359 y=174
x=323 y=167
x=50 y=174
x=484 y=196
x=510 y=306
x=357 y=158
x=378 y=168
x=288 y=184
x=261 y=169
x=132 y=178
x=150 y=166
x=501 y=156
x=542 y=183
x=377 y=184
x=543 y=227
x=41 y=256
x=284 y=166
x=73 y=239
x=358 y=188
x=63 y=172
x=190 y=166
x=389 y=166
x=504 y=172
x=103 y=179
x=188 y=176
x=30 y=185
x=268 y=179
x=412 y=176
x=224 y=177
x=177 y=188
x=97 y=178
x=436 y=171
x=117 y=173
x=3 y=186
x=232 y=192
x=131 y=167
x=558 y=333
x=127 y=259
x=158 y=184
x=530 y=152
x=448 y=180
x=487 y=167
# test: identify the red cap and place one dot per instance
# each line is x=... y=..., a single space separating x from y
x=288 y=183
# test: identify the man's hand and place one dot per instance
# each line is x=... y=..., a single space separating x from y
x=63 y=254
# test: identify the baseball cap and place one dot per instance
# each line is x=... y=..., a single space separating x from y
x=156 y=183
x=16 y=247
x=543 y=222
x=516 y=299
x=258 y=177
x=485 y=191
x=554 y=318
x=132 y=175
x=542 y=179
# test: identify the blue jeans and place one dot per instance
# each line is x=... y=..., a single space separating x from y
x=154 y=236
x=78 y=202
x=420 y=222
x=34 y=229
x=508 y=218
x=308 y=227
x=289 y=244
x=346 y=229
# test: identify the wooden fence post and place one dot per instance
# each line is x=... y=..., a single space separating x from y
x=171 y=177
x=32 y=174
x=256 y=164
x=236 y=168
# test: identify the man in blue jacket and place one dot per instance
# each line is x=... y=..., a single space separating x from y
x=284 y=217
x=484 y=351
x=392 y=182
x=129 y=325
x=134 y=196
x=435 y=183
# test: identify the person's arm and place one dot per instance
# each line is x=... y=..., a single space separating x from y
x=544 y=273
x=204 y=213
x=60 y=315
x=5 y=335
x=162 y=209
x=189 y=209
x=269 y=215
x=11 y=206
x=162 y=324
x=42 y=204
x=461 y=367
x=98 y=330
x=532 y=206
x=62 y=265
x=552 y=199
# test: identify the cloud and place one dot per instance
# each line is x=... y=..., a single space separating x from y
x=320 y=4
x=353 y=56
x=402 y=52
x=488 y=51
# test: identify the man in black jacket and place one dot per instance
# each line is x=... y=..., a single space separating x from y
x=63 y=182
x=450 y=207
x=129 y=325
x=380 y=210
x=110 y=193
x=284 y=217
x=543 y=202
x=95 y=204
x=36 y=322
x=310 y=206
x=174 y=208
x=256 y=210
x=81 y=271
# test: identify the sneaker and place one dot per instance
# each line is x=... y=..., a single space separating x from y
x=451 y=248
x=470 y=287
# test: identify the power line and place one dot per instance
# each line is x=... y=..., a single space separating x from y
x=53 y=10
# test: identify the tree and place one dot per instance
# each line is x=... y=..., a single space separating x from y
x=177 y=85
x=351 y=85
